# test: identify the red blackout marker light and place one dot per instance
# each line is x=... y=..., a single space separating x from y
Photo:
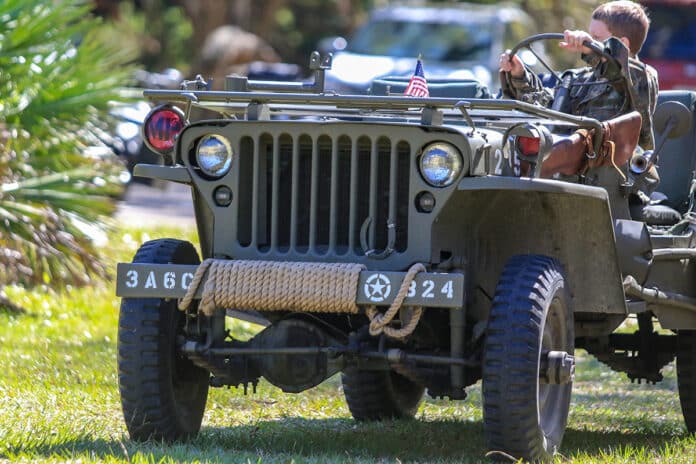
x=528 y=146
x=161 y=127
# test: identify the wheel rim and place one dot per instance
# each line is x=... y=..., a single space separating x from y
x=550 y=398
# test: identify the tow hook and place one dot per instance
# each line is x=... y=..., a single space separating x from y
x=557 y=368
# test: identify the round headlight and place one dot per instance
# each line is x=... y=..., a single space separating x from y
x=440 y=164
x=214 y=155
x=161 y=127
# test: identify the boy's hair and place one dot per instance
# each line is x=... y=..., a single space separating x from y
x=624 y=18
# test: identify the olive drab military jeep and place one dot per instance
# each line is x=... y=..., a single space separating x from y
x=411 y=244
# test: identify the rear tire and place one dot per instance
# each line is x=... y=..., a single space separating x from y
x=379 y=395
x=686 y=376
x=163 y=394
x=530 y=315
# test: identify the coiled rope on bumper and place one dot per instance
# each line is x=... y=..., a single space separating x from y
x=275 y=286
x=301 y=287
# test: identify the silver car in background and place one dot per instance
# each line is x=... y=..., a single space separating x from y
x=460 y=41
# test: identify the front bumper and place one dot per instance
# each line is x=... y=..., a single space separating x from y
x=430 y=289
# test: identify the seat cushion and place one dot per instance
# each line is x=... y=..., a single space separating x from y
x=678 y=157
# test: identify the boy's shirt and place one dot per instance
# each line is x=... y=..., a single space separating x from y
x=592 y=95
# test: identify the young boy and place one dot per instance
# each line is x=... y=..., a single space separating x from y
x=591 y=94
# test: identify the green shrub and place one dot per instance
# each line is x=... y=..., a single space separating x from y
x=56 y=81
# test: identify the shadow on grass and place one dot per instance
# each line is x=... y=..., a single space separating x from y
x=315 y=440
x=339 y=440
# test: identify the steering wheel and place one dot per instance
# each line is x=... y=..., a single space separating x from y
x=593 y=45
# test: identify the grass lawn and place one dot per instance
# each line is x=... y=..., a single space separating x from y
x=59 y=401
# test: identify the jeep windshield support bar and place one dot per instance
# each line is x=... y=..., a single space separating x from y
x=370 y=102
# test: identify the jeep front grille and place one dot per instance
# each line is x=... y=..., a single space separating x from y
x=313 y=195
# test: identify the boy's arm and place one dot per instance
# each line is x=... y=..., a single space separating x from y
x=527 y=88
x=645 y=83
x=643 y=77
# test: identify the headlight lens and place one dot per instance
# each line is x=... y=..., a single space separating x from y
x=440 y=164
x=161 y=127
x=214 y=155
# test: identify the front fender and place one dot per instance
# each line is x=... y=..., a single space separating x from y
x=489 y=219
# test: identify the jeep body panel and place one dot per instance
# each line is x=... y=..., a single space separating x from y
x=491 y=218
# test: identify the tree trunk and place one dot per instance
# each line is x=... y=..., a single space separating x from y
x=207 y=15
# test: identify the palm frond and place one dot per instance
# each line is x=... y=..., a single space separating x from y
x=56 y=80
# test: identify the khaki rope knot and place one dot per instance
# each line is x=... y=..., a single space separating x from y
x=275 y=286
x=379 y=322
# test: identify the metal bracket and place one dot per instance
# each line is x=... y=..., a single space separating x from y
x=371 y=252
x=197 y=84
x=191 y=98
x=431 y=116
x=464 y=107
x=258 y=112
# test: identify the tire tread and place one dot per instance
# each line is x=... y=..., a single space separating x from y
x=373 y=396
x=144 y=365
x=511 y=349
x=686 y=376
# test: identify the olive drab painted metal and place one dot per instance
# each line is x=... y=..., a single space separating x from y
x=286 y=173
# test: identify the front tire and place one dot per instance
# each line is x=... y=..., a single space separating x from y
x=163 y=394
x=380 y=395
x=530 y=316
x=686 y=376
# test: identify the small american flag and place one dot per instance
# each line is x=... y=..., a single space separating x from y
x=417 y=86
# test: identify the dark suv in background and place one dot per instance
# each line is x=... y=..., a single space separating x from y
x=671 y=43
x=460 y=41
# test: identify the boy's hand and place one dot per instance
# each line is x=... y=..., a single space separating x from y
x=512 y=64
x=573 y=41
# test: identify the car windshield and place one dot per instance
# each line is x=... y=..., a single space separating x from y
x=672 y=33
x=434 y=40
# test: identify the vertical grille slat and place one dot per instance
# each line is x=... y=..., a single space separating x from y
x=393 y=176
x=333 y=210
x=374 y=172
x=294 y=192
x=255 y=194
x=313 y=194
x=244 y=192
x=353 y=206
x=402 y=196
x=302 y=194
x=275 y=175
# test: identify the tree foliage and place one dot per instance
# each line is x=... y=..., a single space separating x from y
x=56 y=80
